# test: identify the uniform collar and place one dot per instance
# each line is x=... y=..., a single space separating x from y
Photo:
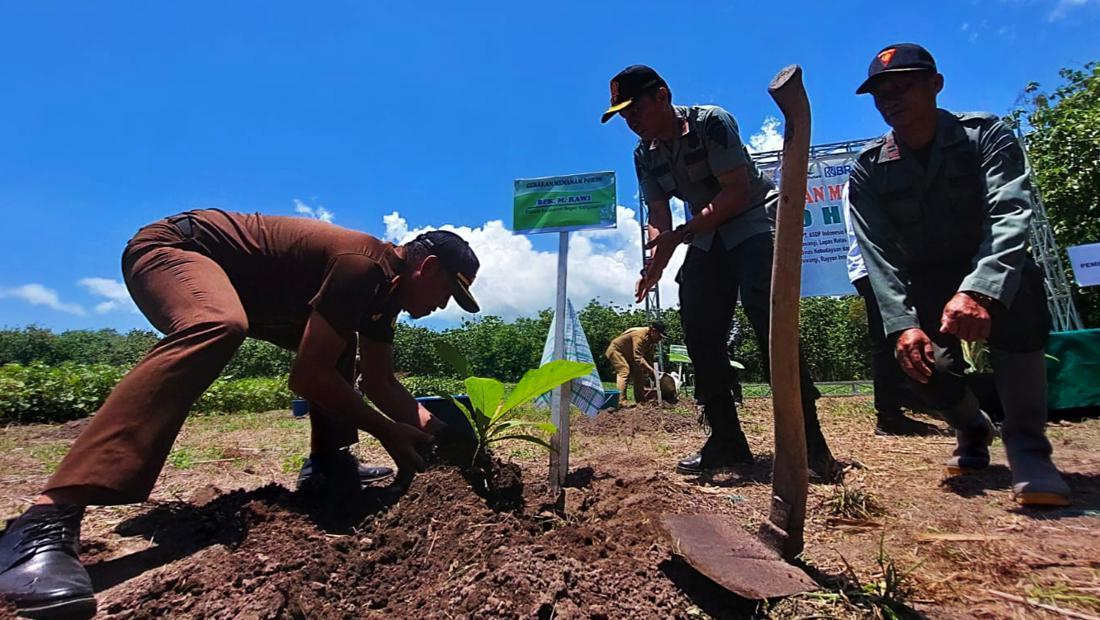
x=685 y=126
x=392 y=266
x=948 y=133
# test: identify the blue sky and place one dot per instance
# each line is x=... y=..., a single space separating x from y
x=390 y=117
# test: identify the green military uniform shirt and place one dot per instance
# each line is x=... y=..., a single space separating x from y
x=971 y=202
x=688 y=168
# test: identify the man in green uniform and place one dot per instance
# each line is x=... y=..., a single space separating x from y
x=941 y=207
x=207 y=279
x=695 y=154
x=631 y=355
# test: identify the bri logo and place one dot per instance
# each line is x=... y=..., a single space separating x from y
x=838 y=171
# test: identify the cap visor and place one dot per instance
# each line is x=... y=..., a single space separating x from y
x=865 y=87
x=615 y=109
x=465 y=300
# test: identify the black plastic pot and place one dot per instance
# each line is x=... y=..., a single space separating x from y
x=448 y=413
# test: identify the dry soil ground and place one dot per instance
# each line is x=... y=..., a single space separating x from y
x=222 y=536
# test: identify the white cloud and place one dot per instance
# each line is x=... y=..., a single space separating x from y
x=397 y=229
x=1065 y=6
x=971 y=34
x=38 y=295
x=516 y=279
x=769 y=138
x=317 y=212
x=115 y=292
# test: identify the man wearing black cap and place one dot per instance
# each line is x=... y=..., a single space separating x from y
x=207 y=279
x=696 y=154
x=631 y=354
x=941 y=208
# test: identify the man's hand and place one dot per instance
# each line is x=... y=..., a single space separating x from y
x=402 y=441
x=966 y=318
x=663 y=247
x=914 y=353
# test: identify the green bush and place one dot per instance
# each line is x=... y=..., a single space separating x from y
x=250 y=394
x=432 y=386
x=41 y=393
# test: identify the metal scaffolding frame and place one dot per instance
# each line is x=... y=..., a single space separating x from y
x=1045 y=251
x=1044 y=247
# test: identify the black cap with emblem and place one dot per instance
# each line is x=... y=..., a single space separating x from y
x=628 y=84
x=458 y=258
x=897 y=58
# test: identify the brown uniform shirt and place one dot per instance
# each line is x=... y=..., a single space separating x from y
x=283 y=268
x=633 y=344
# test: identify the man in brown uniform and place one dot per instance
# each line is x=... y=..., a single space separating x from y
x=207 y=279
x=631 y=355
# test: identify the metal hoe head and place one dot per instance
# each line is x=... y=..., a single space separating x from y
x=721 y=549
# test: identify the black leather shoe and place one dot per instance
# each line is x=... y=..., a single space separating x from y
x=40 y=570
x=338 y=471
x=717 y=452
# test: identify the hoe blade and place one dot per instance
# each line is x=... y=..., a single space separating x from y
x=734 y=559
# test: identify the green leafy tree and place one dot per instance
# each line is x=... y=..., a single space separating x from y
x=1063 y=142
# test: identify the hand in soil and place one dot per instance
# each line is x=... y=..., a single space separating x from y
x=454 y=446
x=403 y=441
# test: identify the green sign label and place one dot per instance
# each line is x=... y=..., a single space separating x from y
x=557 y=204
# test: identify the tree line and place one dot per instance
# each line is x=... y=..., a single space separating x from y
x=834 y=340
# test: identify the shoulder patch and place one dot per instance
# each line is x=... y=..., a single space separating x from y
x=974 y=119
x=717 y=132
x=872 y=146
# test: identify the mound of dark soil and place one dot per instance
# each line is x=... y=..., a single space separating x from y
x=441 y=550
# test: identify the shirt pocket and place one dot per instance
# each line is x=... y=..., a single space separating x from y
x=904 y=209
x=698 y=170
x=663 y=175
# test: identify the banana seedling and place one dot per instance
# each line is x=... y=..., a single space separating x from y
x=492 y=415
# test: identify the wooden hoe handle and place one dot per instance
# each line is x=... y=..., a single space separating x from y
x=789 y=475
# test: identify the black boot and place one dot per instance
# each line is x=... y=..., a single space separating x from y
x=819 y=457
x=40 y=570
x=897 y=423
x=1021 y=384
x=338 y=472
x=727 y=445
x=974 y=432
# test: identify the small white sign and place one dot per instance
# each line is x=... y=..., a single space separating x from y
x=1086 y=264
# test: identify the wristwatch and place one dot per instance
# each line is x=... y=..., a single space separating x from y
x=983 y=300
x=686 y=236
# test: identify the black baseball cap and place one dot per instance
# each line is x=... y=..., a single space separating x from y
x=897 y=58
x=458 y=258
x=628 y=84
x=659 y=327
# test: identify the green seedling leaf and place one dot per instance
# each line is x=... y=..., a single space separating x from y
x=541 y=380
x=453 y=358
x=471 y=416
x=546 y=427
x=531 y=438
x=485 y=395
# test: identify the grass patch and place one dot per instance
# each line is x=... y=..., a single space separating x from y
x=887 y=593
x=187 y=457
x=853 y=503
x=1062 y=593
x=49 y=454
x=293 y=463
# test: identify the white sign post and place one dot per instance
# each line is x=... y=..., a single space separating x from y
x=559 y=401
x=561 y=204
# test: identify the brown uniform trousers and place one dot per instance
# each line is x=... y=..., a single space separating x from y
x=623 y=353
x=189 y=298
